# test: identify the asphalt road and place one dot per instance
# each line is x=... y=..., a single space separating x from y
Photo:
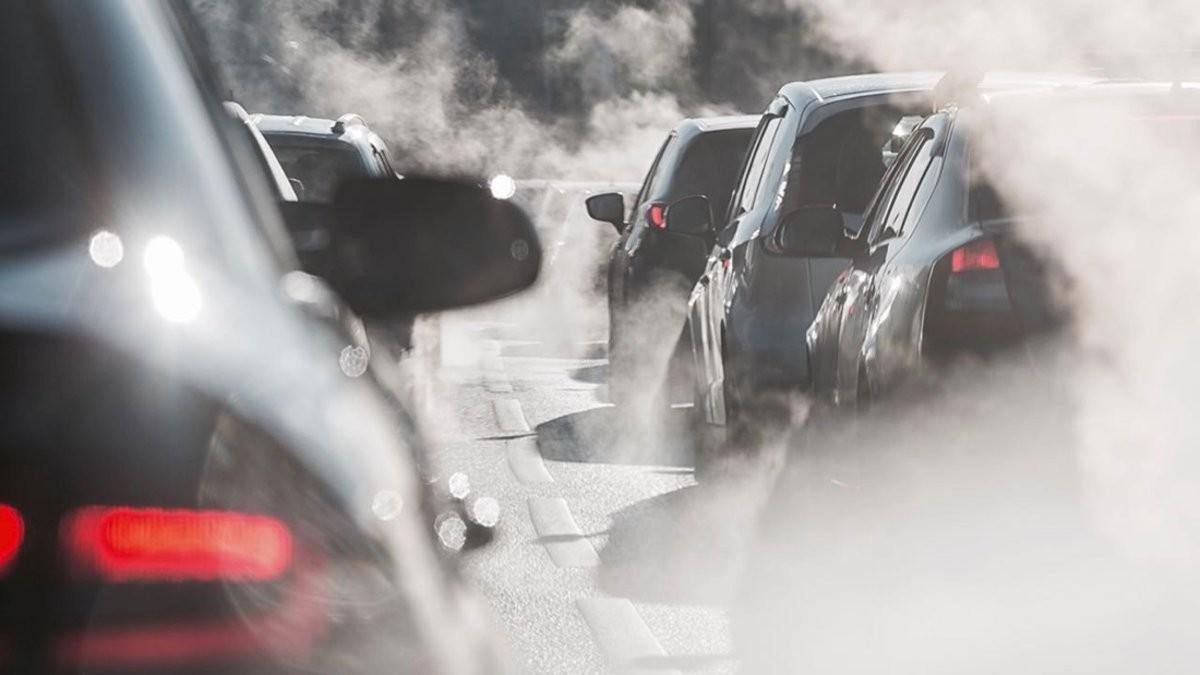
x=609 y=557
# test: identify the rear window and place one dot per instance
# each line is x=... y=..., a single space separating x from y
x=840 y=162
x=710 y=167
x=320 y=166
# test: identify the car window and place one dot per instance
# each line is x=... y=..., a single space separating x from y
x=752 y=180
x=839 y=162
x=709 y=167
x=881 y=206
x=906 y=189
x=320 y=166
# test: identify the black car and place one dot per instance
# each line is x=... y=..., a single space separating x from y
x=654 y=264
x=191 y=480
x=938 y=272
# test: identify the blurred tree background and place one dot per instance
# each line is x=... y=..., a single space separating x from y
x=737 y=52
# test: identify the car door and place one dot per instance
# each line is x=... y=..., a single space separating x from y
x=708 y=299
x=824 y=334
x=858 y=292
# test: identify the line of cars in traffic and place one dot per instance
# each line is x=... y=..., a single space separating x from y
x=858 y=243
x=203 y=466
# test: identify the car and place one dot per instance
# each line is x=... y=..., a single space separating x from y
x=285 y=188
x=191 y=479
x=931 y=282
x=654 y=264
x=324 y=301
x=317 y=154
x=819 y=142
x=823 y=143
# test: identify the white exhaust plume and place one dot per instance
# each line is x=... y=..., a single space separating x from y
x=1040 y=515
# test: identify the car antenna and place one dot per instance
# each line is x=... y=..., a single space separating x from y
x=339 y=127
x=957 y=87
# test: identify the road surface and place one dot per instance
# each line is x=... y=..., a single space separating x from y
x=609 y=556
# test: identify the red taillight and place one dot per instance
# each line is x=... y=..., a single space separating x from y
x=123 y=544
x=657 y=215
x=12 y=532
x=979 y=255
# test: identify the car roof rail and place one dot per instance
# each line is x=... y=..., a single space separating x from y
x=349 y=119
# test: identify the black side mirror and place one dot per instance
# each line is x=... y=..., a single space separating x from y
x=608 y=208
x=813 y=232
x=297 y=187
x=691 y=216
x=420 y=245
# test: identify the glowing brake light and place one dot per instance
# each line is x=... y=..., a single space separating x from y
x=979 y=255
x=12 y=533
x=125 y=544
x=657 y=215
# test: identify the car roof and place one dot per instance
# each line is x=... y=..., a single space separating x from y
x=690 y=129
x=294 y=124
x=831 y=89
x=725 y=123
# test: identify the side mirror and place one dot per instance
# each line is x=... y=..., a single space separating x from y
x=297 y=187
x=813 y=232
x=608 y=208
x=690 y=215
x=421 y=245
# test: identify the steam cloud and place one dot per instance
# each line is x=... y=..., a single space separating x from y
x=409 y=68
x=1036 y=514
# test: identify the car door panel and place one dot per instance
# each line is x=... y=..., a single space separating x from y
x=858 y=289
x=878 y=338
x=715 y=286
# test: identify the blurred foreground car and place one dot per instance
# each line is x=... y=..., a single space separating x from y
x=655 y=264
x=938 y=271
x=191 y=480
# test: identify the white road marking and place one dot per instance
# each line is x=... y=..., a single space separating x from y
x=509 y=416
x=526 y=462
x=621 y=634
x=561 y=536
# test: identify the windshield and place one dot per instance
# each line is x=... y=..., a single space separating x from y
x=319 y=165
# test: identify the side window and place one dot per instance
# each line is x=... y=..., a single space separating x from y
x=906 y=191
x=882 y=210
x=381 y=162
x=751 y=185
